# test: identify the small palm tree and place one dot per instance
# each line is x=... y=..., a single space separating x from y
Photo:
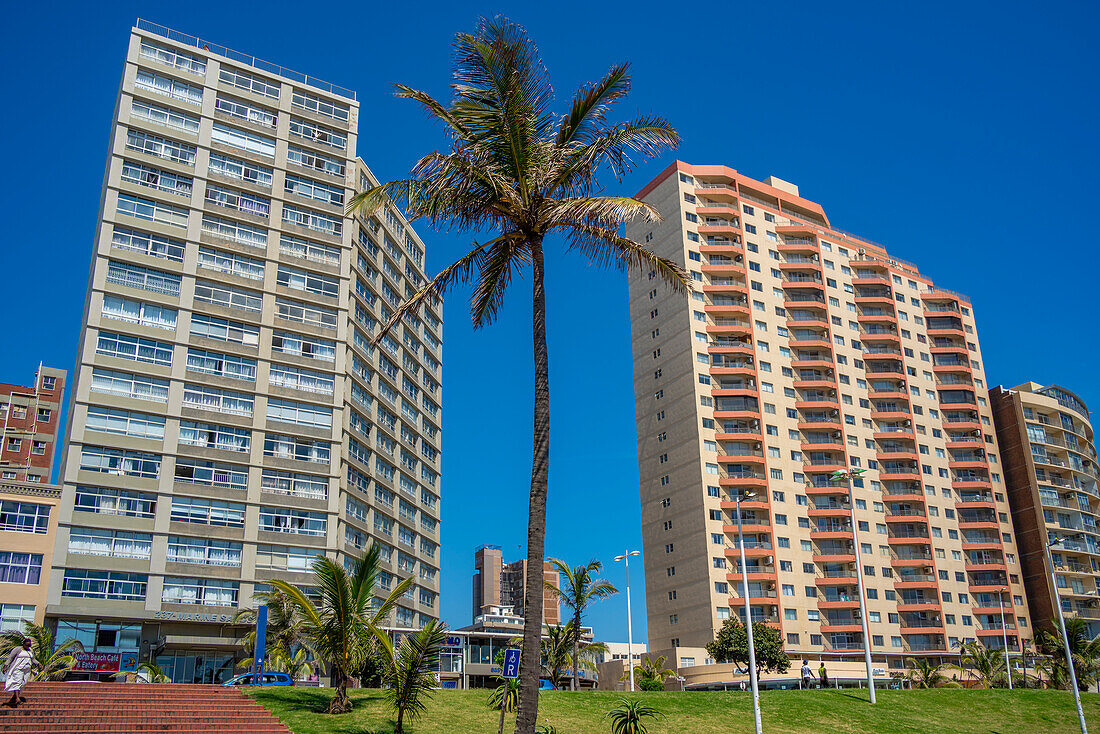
x=296 y=665
x=558 y=653
x=630 y=715
x=56 y=662
x=409 y=670
x=521 y=173
x=505 y=698
x=985 y=664
x=284 y=625
x=1084 y=650
x=155 y=672
x=651 y=669
x=577 y=588
x=924 y=673
x=341 y=628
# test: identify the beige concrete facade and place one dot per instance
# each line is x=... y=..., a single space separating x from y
x=805 y=350
x=28 y=530
x=230 y=420
x=1050 y=464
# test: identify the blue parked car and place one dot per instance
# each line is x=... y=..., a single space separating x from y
x=545 y=685
x=267 y=679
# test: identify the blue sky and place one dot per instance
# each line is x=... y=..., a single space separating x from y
x=961 y=135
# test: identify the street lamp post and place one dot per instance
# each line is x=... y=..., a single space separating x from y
x=1004 y=633
x=738 y=494
x=1065 y=637
x=629 y=631
x=846 y=477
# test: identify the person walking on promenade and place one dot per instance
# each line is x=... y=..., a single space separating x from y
x=823 y=675
x=807 y=675
x=20 y=663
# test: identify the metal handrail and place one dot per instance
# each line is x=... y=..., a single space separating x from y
x=237 y=56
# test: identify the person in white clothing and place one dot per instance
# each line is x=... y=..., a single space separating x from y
x=18 y=667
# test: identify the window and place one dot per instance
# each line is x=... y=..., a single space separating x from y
x=316 y=161
x=294 y=484
x=112 y=543
x=240 y=170
x=302 y=280
x=203 y=552
x=284 y=520
x=317 y=133
x=312 y=220
x=104 y=585
x=240 y=201
x=313 y=190
x=125 y=422
x=303 y=346
x=147 y=244
x=120 y=462
x=155 y=178
x=222 y=365
x=204 y=592
x=241 y=140
x=216 y=400
x=114 y=502
x=243 y=110
x=167 y=87
x=227 y=296
x=165 y=116
x=242 y=234
x=224 y=330
x=24 y=517
x=249 y=83
x=210 y=473
x=135 y=276
x=209 y=435
x=207 y=512
x=300 y=413
x=15 y=617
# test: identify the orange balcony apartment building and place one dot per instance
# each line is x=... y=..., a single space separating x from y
x=804 y=350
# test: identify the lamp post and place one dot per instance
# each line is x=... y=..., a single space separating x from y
x=629 y=631
x=1065 y=636
x=737 y=497
x=846 y=477
x=1004 y=633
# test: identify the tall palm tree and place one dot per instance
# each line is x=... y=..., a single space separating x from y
x=56 y=662
x=409 y=669
x=924 y=673
x=1084 y=650
x=577 y=588
x=341 y=627
x=520 y=173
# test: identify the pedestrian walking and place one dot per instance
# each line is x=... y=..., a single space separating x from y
x=807 y=674
x=18 y=667
x=823 y=675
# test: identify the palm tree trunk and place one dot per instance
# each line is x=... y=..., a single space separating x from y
x=576 y=650
x=528 y=709
x=400 y=718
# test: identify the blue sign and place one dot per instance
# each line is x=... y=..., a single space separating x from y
x=511 y=663
x=260 y=648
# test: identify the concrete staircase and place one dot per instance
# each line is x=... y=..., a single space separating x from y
x=136 y=708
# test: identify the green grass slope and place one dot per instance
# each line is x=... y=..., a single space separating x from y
x=784 y=712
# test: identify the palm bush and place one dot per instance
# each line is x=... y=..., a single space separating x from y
x=56 y=662
x=504 y=698
x=1084 y=650
x=155 y=672
x=650 y=674
x=518 y=172
x=924 y=673
x=630 y=715
x=409 y=670
x=984 y=664
x=341 y=627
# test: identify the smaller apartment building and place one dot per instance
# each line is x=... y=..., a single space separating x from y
x=30 y=417
x=1050 y=464
x=28 y=525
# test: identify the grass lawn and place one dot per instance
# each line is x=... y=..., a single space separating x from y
x=784 y=712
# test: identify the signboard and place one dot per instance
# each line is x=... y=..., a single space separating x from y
x=260 y=651
x=105 y=662
x=878 y=671
x=452 y=641
x=511 y=663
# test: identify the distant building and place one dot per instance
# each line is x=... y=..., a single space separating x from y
x=28 y=525
x=30 y=416
x=1048 y=452
x=497 y=584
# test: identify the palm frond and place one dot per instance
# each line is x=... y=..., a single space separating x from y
x=606 y=248
x=492 y=282
x=590 y=105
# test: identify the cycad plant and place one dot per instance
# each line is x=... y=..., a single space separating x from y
x=341 y=627
x=409 y=669
x=518 y=173
x=630 y=715
x=504 y=698
x=56 y=662
x=577 y=588
x=651 y=670
x=985 y=664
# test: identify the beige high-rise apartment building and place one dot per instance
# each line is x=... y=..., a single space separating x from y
x=1050 y=467
x=229 y=419
x=801 y=351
